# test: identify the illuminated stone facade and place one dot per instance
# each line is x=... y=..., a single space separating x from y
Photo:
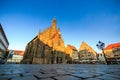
x=86 y=52
x=46 y=48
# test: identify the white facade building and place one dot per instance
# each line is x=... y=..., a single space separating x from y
x=101 y=58
x=15 y=56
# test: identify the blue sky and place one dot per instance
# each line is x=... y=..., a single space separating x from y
x=79 y=20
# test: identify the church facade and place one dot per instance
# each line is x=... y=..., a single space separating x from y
x=46 y=48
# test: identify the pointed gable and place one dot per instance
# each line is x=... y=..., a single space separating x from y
x=72 y=47
x=85 y=46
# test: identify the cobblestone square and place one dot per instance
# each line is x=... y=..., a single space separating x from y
x=59 y=72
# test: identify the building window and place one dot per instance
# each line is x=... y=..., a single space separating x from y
x=2 y=47
x=82 y=56
x=89 y=55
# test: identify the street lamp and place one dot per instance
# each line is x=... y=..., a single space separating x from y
x=101 y=46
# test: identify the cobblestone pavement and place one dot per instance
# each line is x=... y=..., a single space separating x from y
x=59 y=72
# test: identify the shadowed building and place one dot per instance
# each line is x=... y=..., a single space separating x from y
x=3 y=43
x=47 y=47
x=86 y=53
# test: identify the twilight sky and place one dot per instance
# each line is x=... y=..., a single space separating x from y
x=79 y=20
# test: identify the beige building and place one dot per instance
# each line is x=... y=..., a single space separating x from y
x=86 y=53
x=46 y=48
x=72 y=52
x=112 y=52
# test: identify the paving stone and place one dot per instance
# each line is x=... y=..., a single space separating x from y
x=109 y=77
x=60 y=74
x=29 y=74
x=73 y=71
x=93 y=79
x=10 y=75
x=47 y=79
x=4 y=78
x=8 y=72
x=67 y=77
x=102 y=73
x=59 y=71
x=16 y=71
x=44 y=75
x=2 y=73
x=116 y=73
x=25 y=78
x=49 y=71
x=96 y=74
x=85 y=75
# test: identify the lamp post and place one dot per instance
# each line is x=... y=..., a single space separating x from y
x=101 y=46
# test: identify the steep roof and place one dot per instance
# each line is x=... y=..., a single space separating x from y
x=72 y=47
x=87 y=47
x=112 y=46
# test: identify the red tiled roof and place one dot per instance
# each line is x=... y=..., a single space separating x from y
x=112 y=46
x=18 y=52
x=72 y=47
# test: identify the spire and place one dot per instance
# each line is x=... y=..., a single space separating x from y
x=39 y=30
x=59 y=30
x=54 y=23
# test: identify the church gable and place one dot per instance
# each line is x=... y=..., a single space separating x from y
x=44 y=47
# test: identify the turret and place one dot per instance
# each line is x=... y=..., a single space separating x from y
x=59 y=31
x=54 y=23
